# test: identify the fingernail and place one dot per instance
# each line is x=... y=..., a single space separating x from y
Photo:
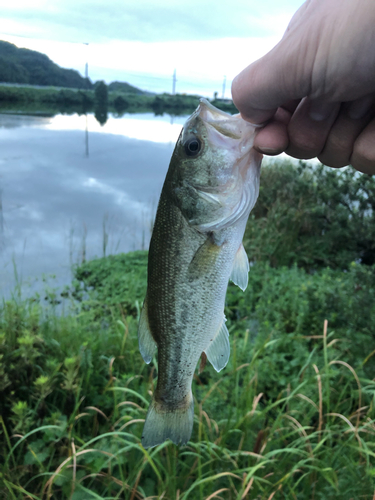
x=320 y=111
x=248 y=120
x=269 y=151
x=358 y=109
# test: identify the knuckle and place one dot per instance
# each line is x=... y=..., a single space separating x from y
x=302 y=150
x=364 y=153
x=333 y=161
x=363 y=157
x=306 y=145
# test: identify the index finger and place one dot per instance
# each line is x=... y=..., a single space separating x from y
x=266 y=85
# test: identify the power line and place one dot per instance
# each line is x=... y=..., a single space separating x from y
x=38 y=38
x=166 y=78
x=147 y=76
x=151 y=80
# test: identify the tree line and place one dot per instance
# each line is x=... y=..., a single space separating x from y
x=24 y=66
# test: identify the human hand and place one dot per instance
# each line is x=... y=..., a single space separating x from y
x=316 y=89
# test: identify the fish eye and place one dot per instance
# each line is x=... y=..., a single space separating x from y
x=192 y=146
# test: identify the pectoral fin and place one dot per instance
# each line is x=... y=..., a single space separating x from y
x=218 y=350
x=147 y=344
x=204 y=259
x=240 y=270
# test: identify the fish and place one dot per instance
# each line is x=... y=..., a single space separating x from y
x=196 y=246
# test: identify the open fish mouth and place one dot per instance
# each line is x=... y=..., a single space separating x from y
x=208 y=112
x=223 y=122
x=232 y=126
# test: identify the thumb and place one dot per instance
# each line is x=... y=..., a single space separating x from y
x=282 y=75
x=267 y=84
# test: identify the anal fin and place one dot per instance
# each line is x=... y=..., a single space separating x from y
x=240 y=270
x=147 y=344
x=218 y=350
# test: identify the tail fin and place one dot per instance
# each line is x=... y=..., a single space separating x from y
x=162 y=423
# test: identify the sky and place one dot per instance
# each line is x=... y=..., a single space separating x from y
x=143 y=42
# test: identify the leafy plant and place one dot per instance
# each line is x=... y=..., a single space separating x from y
x=312 y=216
x=291 y=416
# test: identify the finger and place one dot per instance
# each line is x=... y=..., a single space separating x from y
x=349 y=123
x=246 y=98
x=292 y=105
x=309 y=128
x=282 y=75
x=363 y=157
x=273 y=138
x=257 y=91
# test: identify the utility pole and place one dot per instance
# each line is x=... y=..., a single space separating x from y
x=87 y=138
x=174 y=83
x=87 y=64
x=224 y=82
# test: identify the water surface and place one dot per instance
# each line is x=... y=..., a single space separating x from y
x=72 y=189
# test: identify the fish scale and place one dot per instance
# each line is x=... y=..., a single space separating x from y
x=196 y=246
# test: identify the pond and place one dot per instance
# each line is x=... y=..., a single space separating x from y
x=71 y=189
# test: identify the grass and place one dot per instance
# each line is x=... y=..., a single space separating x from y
x=292 y=415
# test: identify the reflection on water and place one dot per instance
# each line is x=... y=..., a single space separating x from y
x=101 y=115
x=71 y=189
x=143 y=126
x=87 y=138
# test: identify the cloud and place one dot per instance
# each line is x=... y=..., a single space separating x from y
x=100 y=21
x=132 y=40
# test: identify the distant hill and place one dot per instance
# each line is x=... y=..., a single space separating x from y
x=124 y=87
x=34 y=68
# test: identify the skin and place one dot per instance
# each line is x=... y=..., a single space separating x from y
x=315 y=91
x=185 y=299
x=191 y=258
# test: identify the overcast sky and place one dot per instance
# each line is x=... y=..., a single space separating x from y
x=144 y=41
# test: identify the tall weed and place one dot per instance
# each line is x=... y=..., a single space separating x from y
x=292 y=415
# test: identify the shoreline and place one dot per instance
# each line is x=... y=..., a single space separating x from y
x=65 y=100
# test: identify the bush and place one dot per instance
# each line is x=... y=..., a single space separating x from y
x=289 y=414
x=313 y=216
x=116 y=279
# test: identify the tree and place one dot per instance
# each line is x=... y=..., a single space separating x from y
x=101 y=102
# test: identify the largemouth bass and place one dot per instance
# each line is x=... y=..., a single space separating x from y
x=196 y=247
